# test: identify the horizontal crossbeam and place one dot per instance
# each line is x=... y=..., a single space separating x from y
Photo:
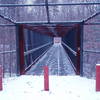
x=94 y=23
x=92 y=51
x=4 y=52
x=49 y=4
x=40 y=29
x=51 y=25
x=6 y=25
x=51 y=22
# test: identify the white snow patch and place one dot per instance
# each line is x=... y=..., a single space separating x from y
x=61 y=87
x=97 y=64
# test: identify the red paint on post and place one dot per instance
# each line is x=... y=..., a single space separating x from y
x=46 y=78
x=1 y=75
x=98 y=77
x=21 y=49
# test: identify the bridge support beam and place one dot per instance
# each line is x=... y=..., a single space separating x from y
x=1 y=75
x=20 y=49
x=78 y=43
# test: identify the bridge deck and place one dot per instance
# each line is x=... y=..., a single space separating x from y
x=56 y=59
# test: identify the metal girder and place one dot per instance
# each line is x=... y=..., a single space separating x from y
x=8 y=19
x=26 y=69
x=5 y=52
x=47 y=10
x=20 y=49
x=94 y=23
x=70 y=49
x=41 y=29
x=78 y=49
x=51 y=22
x=66 y=29
x=91 y=51
x=81 y=48
x=35 y=49
x=62 y=30
x=6 y=25
x=46 y=4
x=49 y=4
x=91 y=17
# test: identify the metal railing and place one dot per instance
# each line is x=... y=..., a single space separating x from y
x=35 y=49
x=49 y=4
x=70 y=49
x=26 y=69
x=4 y=52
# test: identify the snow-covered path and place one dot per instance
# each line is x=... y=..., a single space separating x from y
x=61 y=88
x=56 y=59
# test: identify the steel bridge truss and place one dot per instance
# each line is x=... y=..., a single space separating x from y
x=43 y=28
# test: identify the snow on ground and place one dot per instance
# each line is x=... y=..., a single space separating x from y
x=61 y=87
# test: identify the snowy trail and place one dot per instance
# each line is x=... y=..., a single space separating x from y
x=29 y=87
x=57 y=61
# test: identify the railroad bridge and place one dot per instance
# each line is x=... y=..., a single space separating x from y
x=60 y=45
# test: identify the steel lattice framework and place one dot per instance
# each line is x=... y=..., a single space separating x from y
x=41 y=26
x=47 y=5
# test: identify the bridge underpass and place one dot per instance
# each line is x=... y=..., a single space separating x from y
x=62 y=57
x=56 y=59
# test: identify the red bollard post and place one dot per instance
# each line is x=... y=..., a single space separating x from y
x=1 y=75
x=97 y=77
x=46 y=78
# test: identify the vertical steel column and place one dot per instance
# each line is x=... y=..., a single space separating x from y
x=17 y=50
x=78 y=50
x=47 y=10
x=3 y=54
x=20 y=49
x=1 y=75
x=81 y=50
